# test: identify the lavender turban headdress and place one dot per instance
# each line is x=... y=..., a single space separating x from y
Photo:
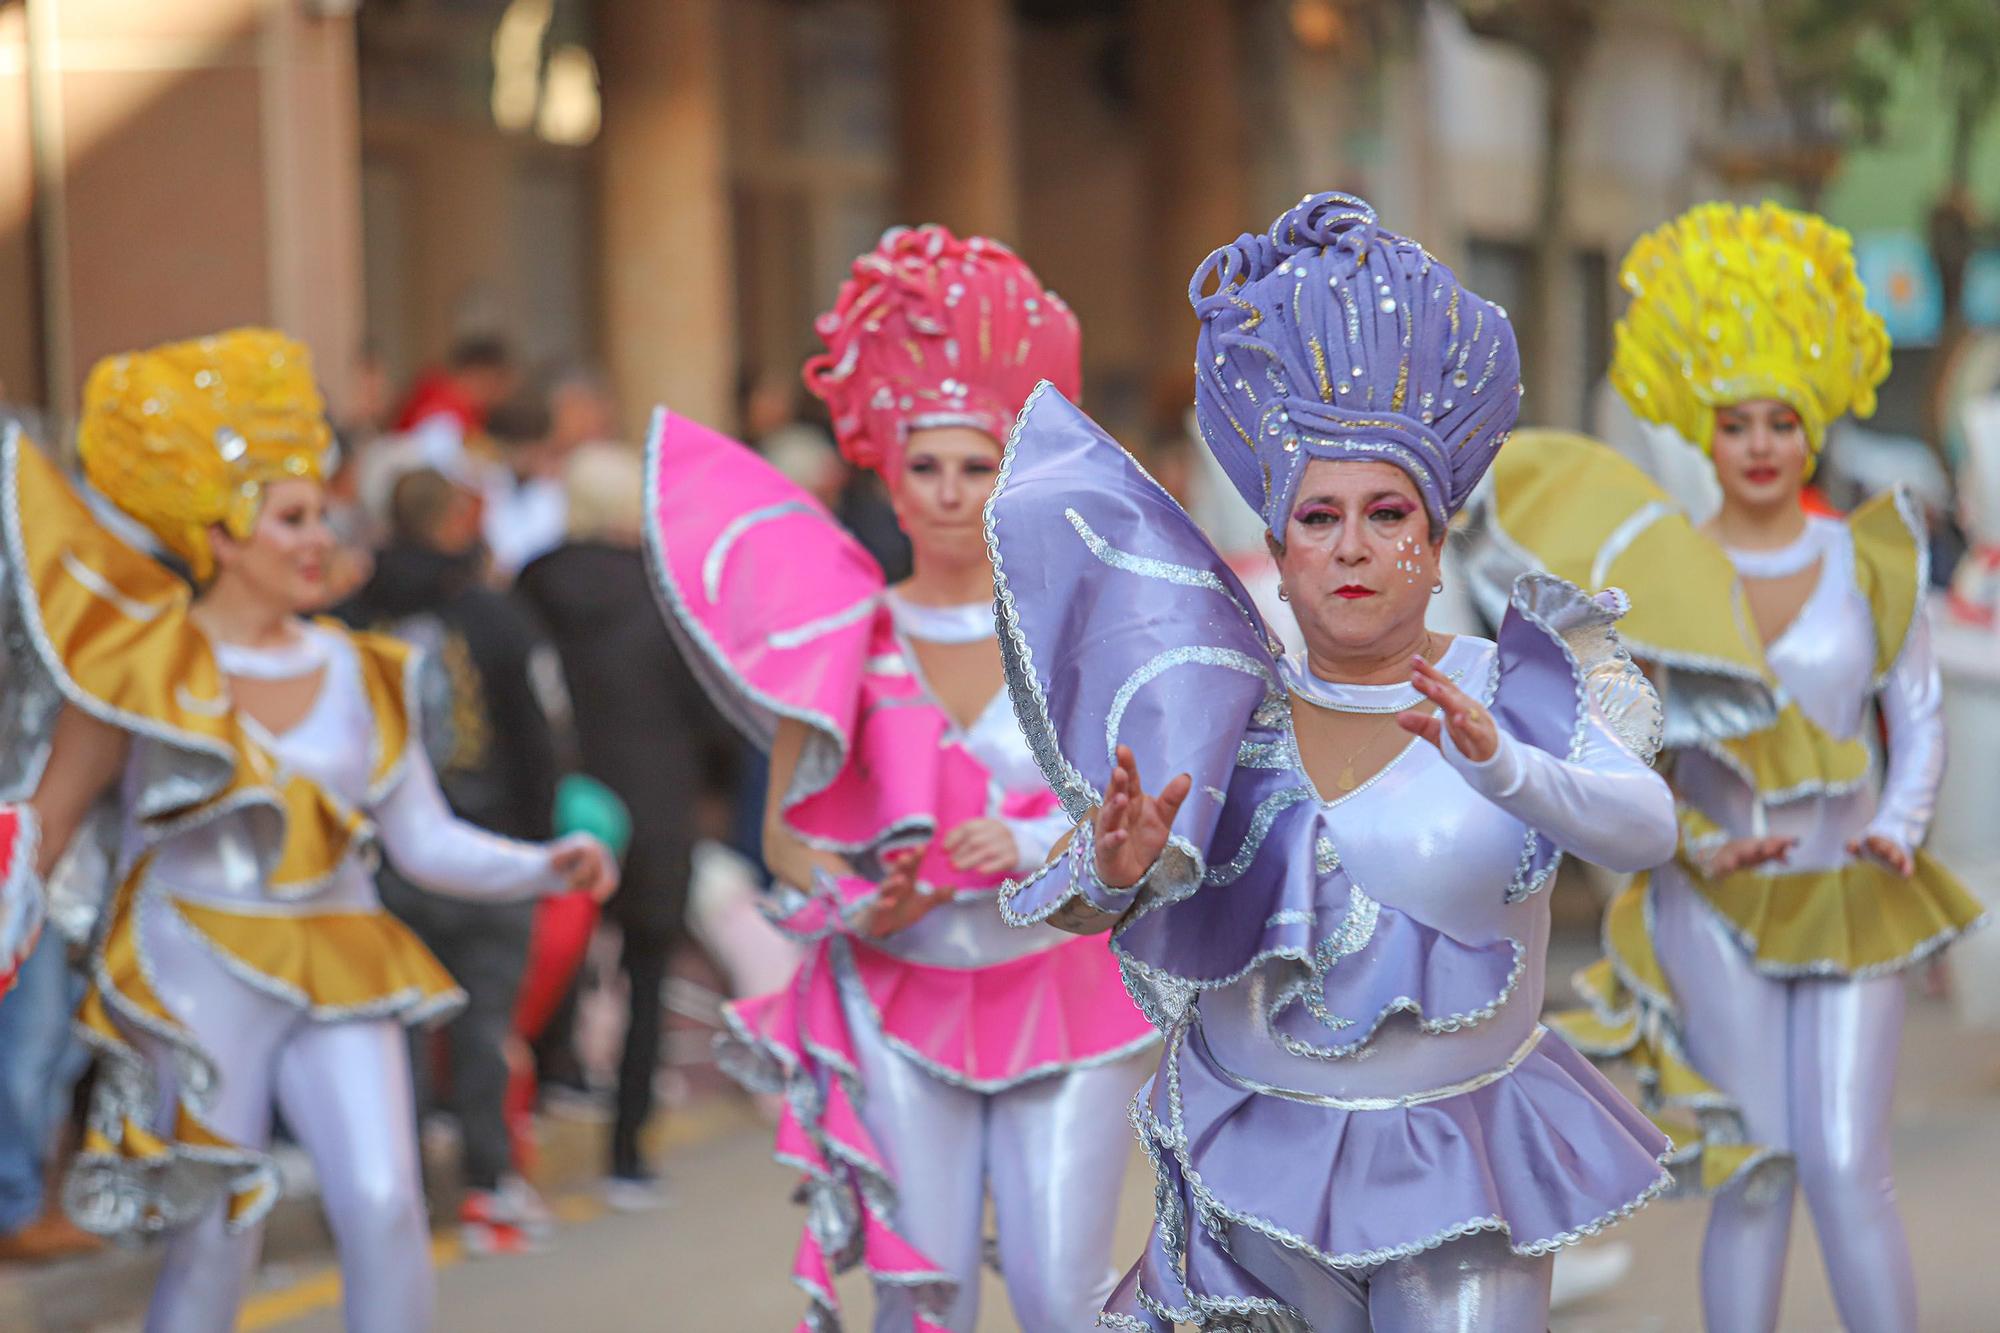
x=1331 y=337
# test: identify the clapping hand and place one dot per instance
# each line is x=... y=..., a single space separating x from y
x=900 y=901
x=1130 y=827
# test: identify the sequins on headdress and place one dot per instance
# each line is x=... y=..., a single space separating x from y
x=1733 y=304
x=1330 y=337
x=929 y=330
x=186 y=435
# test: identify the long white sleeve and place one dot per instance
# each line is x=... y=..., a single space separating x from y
x=1912 y=703
x=436 y=850
x=1605 y=806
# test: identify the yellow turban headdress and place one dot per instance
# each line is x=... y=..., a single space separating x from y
x=1734 y=304
x=186 y=435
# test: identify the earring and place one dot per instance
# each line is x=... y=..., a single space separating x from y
x=1284 y=593
x=1438 y=587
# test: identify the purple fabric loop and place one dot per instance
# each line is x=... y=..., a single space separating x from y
x=1332 y=337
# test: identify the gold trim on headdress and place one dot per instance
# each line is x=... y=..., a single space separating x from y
x=1732 y=304
x=186 y=435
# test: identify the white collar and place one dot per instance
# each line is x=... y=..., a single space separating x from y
x=967 y=623
x=1793 y=556
x=1344 y=698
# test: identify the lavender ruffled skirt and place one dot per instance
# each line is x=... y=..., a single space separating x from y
x=1269 y=1207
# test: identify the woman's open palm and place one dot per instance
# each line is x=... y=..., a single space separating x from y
x=1131 y=827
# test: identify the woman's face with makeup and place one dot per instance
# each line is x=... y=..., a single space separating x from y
x=940 y=491
x=1358 y=563
x=1760 y=452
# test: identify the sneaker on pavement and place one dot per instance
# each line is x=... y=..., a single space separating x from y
x=641 y=1192
x=486 y=1229
x=524 y=1205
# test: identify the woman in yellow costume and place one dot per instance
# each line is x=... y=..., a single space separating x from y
x=234 y=764
x=1753 y=979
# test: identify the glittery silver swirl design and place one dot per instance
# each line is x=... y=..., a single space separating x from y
x=1147 y=566
x=718 y=551
x=1185 y=655
x=1273 y=713
x=798 y=636
x=1263 y=754
x=1266 y=814
x=1326 y=857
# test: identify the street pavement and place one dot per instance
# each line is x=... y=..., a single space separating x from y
x=715 y=1257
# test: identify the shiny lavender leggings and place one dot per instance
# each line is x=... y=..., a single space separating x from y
x=1812 y=1062
x=1051 y=1155
x=1472 y=1285
x=345 y=1092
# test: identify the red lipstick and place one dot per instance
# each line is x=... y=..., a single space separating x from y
x=1353 y=590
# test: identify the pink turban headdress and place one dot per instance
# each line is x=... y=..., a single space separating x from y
x=930 y=331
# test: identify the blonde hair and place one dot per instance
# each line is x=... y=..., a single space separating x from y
x=1731 y=304
x=186 y=436
x=606 y=488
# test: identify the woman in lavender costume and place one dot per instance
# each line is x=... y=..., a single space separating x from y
x=1333 y=911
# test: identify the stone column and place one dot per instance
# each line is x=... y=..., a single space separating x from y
x=669 y=330
x=1197 y=165
x=197 y=168
x=956 y=136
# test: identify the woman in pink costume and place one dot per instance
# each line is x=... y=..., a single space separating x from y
x=929 y=1055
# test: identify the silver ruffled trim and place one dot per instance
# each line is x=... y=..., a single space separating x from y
x=1017 y=659
x=112 y=1195
x=833 y=1204
x=1214 y=1214
x=841 y=957
x=408 y=1005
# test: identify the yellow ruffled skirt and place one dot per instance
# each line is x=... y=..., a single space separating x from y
x=145 y=1166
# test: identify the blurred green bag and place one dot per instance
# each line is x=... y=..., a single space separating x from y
x=585 y=805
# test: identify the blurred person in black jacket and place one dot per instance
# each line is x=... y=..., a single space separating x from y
x=491 y=742
x=644 y=729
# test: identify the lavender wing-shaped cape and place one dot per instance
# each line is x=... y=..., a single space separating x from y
x=1120 y=624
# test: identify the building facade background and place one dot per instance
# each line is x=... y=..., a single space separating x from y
x=671 y=189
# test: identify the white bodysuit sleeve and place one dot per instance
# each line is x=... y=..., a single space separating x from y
x=1605 y=806
x=1912 y=703
x=436 y=850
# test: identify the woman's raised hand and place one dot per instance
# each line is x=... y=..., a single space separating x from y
x=1745 y=854
x=586 y=866
x=1473 y=731
x=1131 y=828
